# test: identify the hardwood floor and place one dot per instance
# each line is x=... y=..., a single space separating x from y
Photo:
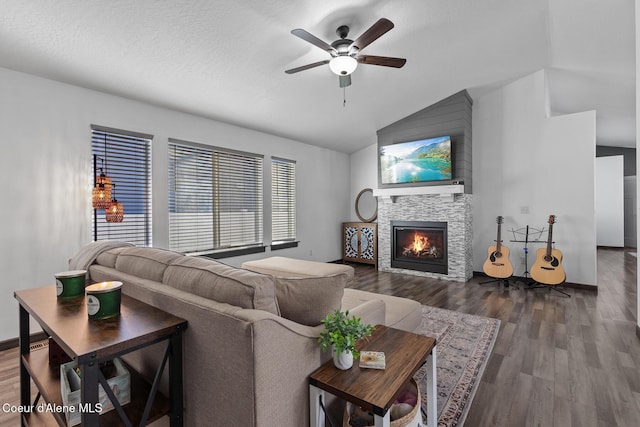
x=9 y=387
x=557 y=361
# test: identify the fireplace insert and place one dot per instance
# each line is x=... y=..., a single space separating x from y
x=419 y=245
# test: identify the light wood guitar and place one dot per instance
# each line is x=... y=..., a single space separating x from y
x=497 y=264
x=547 y=269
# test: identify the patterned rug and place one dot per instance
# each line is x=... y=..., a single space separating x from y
x=464 y=344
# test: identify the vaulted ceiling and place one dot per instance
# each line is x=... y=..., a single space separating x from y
x=225 y=59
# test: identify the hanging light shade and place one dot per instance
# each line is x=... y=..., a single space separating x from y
x=104 y=180
x=115 y=210
x=101 y=194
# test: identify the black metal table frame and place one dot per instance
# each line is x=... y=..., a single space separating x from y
x=92 y=376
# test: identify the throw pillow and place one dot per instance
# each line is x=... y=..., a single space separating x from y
x=308 y=300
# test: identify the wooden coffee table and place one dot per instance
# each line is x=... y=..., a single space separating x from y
x=375 y=390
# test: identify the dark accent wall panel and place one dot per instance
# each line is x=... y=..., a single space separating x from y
x=451 y=116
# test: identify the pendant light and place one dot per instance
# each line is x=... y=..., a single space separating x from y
x=101 y=194
x=115 y=210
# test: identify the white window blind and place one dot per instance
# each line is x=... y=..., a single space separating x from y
x=215 y=198
x=125 y=158
x=283 y=200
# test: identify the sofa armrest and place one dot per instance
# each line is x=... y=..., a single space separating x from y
x=304 y=331
x=371 y=312
x=285 y=354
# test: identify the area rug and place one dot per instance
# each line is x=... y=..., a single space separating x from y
x=464 y=344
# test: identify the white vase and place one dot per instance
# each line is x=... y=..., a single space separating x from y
x=343 y=360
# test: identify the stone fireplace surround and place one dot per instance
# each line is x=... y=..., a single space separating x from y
x=442 y=203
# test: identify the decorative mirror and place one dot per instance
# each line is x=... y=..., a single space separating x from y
x=366 y=206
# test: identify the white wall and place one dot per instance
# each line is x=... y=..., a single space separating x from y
x=610 y=201
x=525 y=161
x=45 y=180
x=527 y=166
x=362 y=174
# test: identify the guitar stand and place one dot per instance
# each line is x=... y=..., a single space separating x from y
x=506 y=282
x=526 y=232
x=526 y=277
x=537 y=285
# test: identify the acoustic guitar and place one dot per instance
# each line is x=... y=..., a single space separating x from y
x=547 y=269
x=497 y=264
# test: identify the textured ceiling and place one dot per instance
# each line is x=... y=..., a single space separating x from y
x=225 y=59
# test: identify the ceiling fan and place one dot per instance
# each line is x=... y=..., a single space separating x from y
x=345 y=53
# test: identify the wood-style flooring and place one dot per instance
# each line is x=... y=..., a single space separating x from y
x=557 y=361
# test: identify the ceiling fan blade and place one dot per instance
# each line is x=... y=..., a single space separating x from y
x=374 y=32
x=306 y=67
x=308 y=37
x=345 y=80
x=385 y=61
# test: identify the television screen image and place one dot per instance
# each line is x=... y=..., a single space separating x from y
x=416 y=161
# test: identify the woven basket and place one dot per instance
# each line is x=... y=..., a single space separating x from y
x=412 y=419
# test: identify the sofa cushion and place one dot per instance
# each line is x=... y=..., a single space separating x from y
x=308 y=300
x=214 y=280
x=108 y=258
x=290 y=267
x=400 y=313
x=146 y=263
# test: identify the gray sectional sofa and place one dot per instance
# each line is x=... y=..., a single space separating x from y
x=252 y=338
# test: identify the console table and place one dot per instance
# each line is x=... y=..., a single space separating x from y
x=360 y=242
x=90 y=342
x=375 y=390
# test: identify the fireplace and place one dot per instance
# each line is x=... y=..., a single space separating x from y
x=420 y=246
x=453 y=210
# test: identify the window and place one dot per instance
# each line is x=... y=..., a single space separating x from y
x=283 y=202
x=125 y=158
x=215 y=199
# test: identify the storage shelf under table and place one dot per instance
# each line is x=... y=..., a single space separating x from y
x=47 y=380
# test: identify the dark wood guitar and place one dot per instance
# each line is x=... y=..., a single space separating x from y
x=547 y=269
x=497 y=264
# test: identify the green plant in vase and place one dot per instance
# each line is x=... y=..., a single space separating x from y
x=342 y=333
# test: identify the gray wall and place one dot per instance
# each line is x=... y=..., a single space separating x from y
x=451 y=116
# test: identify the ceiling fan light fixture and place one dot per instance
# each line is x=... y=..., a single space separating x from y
x=343 y=65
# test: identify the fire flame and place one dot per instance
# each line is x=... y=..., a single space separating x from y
x=420 y=242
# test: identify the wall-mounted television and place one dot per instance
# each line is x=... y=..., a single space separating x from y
x=416 y=161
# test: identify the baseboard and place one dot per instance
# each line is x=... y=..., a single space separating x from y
x=591 y=288
x=15 y=342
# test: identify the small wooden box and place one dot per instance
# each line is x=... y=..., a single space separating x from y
x=120 y=385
